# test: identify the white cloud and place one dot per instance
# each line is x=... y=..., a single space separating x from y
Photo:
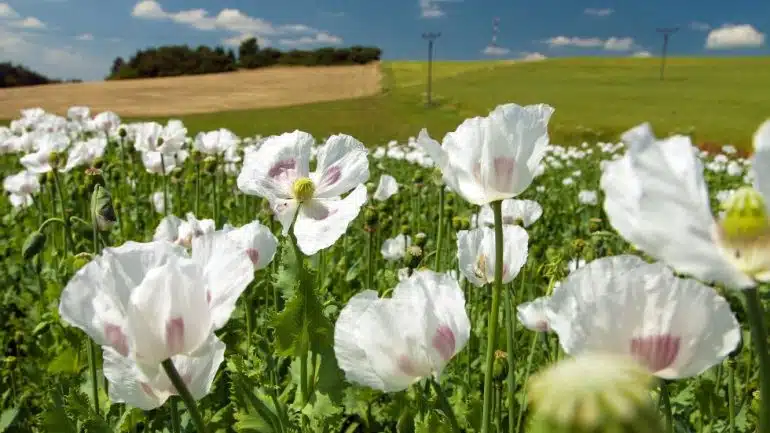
x=321 y=38
x=598 y=12
x=240 y=24
x=642 y=54
x=6 y=11
x=734 y=36
x=432 y=8
x=611 y=44
x=700 y=26
x=532 y=57
x=29 y=23
x=492 y=50
x=618 y=44
x=85 y=37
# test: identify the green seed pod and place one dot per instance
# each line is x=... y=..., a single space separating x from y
x=418 y=178
x=371 y=216
x=94 y=176
x=122 y=132
x=370 y=187
x=33 y=245
x=420 y=239
x=53 y=159
x=210 y=164
x=457 y=223
x=102 y=210
x=500 y=366
x=405 y=230
x=413 y=256
x=578 y=245
x=466 y=223
x=594 y=224
x=437 y=177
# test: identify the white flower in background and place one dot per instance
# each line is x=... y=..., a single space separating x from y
x=622 y=305
x=588 y=197
x=106 y=121
x=729 y=149
x=395 y=248
x=215 y=142
x=389 y=344
x=173 y=229
x=79 y=114
x=567 y=181
x=279 y=171
x=734 y=168
x=386 y=188
x=155 y=162
x=258 y=242
x=154 y=137
x=476 y=253
x=40 y=161
x=656 y=197
x=153 y=301
x=492 y=158
x=148 y=387
x=540 y=188
x=724 y=195
x=21 y=187
x=519 y=212
x=722 y=159
x=533 y=315
x=160 y=206
x=85 y=152
x=379 y=153
x=577 y=173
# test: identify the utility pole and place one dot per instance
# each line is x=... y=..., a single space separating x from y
x=430 y=37
x=667 y=32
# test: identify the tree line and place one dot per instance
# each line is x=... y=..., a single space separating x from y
x=17 y=75
x=176 y=60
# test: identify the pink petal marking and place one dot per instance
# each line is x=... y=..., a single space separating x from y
x=444 y=342
x=504 y=172
x=407 y=366
x=208 y=297
x=331 y=176
x=656 y=352
x=282 y=167
x=175 y=335
x=542 y=326
x=147 y=389
x=116 y=338
x=253 y=255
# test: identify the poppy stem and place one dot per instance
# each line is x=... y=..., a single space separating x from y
x=510 y=329
x=165 y=184
x=492 y=327
x=666 y=400
x=184 y=393
x=530 y=357
x=445 y=406
x=440 y=236
x=756 y=314
x=174 y=415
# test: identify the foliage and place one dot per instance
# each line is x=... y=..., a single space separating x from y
x=17 y=75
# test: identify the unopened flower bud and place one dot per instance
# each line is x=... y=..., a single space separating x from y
x=33 y=245
x=210 y=164
x=101 y=209
x=122 y=132
x=371 y=217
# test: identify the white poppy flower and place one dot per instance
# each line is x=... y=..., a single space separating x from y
x=575 y=264
x=567 y=181
x=729 y=149
x=40 y=160
x=23 y=183
x=79 y=113
x=155 y=162
x=395 y=248
x=21 y=200
x=153 y=137
x=519 y=212
x=533 y=315
x=159 y=204
x=476 y=253
x=389 y=344
x=279 y=171
x=148 y=387
x=257 y=240
x=495 y=157
x=85 y=152
x=174 y=229
x=386 y=188
x=622 y=305
x=656 y=198
x=215 y=142
x=152 y=301
x=106 y=121
x=588 y=197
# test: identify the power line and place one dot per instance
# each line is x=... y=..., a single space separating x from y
x=667 y=32
x=431 y=38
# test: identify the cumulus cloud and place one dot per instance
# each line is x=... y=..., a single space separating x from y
x=732 y=36
x=432 y=8
x=532 y=57
x=85 y=37
x=241 y=25
x=611 y=44
x=6 y=11
x=321 y=38
x=642 y=54
x=29 y=23
x=494 y=50
x=598 y=12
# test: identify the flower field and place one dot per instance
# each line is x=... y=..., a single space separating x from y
x=490 y=280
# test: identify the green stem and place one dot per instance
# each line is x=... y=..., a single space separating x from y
x=184 y=393
x=216 y=196
x=530 y=357
x=92 y=371
x=731 y=394
x=755 y=313
x=370 y=260
x=49 y=221
x=440 y=236
x=666 y=400
x=509 y=330
x=197 y=187
x=303 y=357
x=67 y=235
x=165 y=184
x=174 y=415
x=492 y=327
x=445 y=406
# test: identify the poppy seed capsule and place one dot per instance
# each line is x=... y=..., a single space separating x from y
x=210 y=164
x=303 y=189
x=413 y=256
x=33 y=245
x=500 y=366
x=420 y=239
x=371 y=217
x=457 y=223
x=122 y=132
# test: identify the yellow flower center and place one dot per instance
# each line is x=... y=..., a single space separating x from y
x=743 y=232
x=480 y=270
x=303 y=189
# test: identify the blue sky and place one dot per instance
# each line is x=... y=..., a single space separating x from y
x=80 y=38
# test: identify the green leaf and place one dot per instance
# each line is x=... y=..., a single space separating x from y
x=7 y=418
x=252 y=423
x=321 y=408
x=67 y=361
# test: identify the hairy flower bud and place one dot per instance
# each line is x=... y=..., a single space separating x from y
x=33 y=245
x=101 y=209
